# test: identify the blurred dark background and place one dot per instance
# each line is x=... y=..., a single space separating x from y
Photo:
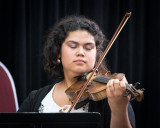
x=24 y=25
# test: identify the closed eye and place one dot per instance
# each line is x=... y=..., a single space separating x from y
x=72 y=44
x=89 y=46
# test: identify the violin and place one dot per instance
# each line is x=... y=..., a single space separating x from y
x=93 y=86
x=96 y=88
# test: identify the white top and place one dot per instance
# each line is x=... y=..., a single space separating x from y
x=48 y=105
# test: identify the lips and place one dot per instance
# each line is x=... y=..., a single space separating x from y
x=80 y=61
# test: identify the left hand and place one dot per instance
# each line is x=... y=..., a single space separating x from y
x=115 y=90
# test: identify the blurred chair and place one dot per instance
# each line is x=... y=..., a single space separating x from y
x=8 y=95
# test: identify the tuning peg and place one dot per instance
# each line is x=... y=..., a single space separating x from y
x=137 y=84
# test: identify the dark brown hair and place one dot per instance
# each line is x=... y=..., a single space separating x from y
x=58 y=35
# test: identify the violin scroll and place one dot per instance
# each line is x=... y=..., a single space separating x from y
x=135 y=93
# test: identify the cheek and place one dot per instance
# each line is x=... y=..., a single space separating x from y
x=92 y=59
x=66 y=56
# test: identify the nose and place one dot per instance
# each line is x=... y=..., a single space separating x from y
x=80 y=51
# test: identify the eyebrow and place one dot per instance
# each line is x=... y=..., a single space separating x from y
x=77 y=42
x=72 y=41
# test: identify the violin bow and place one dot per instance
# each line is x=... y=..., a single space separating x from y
x=120 y=27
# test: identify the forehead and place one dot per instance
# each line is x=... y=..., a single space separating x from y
x=80 y=36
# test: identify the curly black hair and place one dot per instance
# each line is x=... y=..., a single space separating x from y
x=57 y=36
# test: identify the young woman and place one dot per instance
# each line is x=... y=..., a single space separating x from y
x=73 y=47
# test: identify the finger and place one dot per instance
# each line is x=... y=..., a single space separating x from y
x=131 y=85
x=124 y=79
x=110 y=86
x=122 y=86
x=109 y=94
x=116 y=84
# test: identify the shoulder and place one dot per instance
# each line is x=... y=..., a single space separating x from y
x=33 y=101
x=36 y=95
x=40 y=91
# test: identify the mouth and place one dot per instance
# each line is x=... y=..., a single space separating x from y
x=80 y=61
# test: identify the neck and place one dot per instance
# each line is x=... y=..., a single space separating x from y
x=69 y=79
x=68 y=82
